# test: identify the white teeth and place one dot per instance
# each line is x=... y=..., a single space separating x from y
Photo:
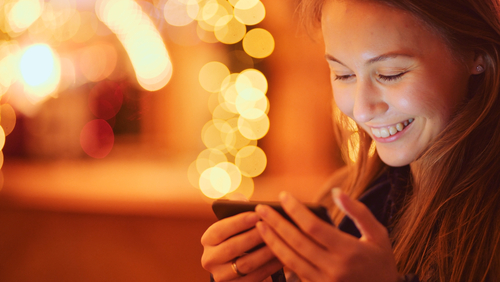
x=385 y=132
x=400 y=126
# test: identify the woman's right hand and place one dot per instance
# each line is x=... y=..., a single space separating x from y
x=221 y=246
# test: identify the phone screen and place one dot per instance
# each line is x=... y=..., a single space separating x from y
x=227 y=208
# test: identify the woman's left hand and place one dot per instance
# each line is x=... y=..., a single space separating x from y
x=317 y=251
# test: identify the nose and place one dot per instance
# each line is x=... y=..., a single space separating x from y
x=368 y=102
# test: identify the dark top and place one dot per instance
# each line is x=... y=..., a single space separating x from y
x=384 y=198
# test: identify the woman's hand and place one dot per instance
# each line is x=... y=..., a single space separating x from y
x=317 y=251
x=223 y=243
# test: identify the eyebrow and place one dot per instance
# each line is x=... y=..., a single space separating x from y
x=382 y=57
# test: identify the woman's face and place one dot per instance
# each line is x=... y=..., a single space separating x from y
x=395 y=78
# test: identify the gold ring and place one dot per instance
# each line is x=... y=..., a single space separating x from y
x=235 y=268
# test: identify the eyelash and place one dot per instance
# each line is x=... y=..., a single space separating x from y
x=387 y=78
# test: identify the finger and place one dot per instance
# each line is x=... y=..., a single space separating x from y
x=290 y=233
x=285 y=254
x=227 y=227
x=365 y=221
x=313 y=226
x=225 y=272
x=233 y=247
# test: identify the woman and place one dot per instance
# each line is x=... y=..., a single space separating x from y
x=420 y=79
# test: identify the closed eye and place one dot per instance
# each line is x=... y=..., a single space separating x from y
x=391 y=78
x=343 y=77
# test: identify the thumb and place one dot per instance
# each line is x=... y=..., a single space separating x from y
x=365 y=221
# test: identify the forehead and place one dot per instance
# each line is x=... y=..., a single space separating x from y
x=369 y=27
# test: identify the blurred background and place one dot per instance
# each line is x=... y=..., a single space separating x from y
x=122 y=120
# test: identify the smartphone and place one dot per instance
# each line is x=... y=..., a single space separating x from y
x=227 y=208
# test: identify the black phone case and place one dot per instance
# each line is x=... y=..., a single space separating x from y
x=227 y=208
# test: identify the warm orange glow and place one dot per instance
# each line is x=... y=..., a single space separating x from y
x=7 y=118
x=98 y=61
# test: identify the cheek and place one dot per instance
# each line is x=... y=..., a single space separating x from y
x=343 y=101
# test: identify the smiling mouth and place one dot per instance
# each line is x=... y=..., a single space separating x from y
x=384 y=132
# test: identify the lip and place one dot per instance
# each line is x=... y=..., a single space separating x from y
x=391 y=138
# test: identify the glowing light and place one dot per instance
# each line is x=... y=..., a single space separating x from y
x=237 y=102
x=105 y=99
x=24 y=13
x=228 y=30
x=8 y=63
x=141 y=40
x=251 y=103
x=97 y=138
x=211 y=76
x=211 y=134
x=246 y=188
x=209 y=158
x=215 y=182
x=251 y=78
x=254 y=129
x=258 y=43
x=250 y=16
x=181 y=12
x=1 y=165
x=234 y=174
x=251 y=160
x=244 y=4
x=8 y=118
x=2 y=138
x=40 y=70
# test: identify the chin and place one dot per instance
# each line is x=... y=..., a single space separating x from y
x=394 y=160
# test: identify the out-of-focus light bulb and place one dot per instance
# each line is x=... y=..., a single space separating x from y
x=24 y=13
x=40 y=71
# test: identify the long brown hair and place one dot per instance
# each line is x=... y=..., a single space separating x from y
x=449 y=229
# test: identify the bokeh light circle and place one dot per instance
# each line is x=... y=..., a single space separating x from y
x=234 y=173
x=8 y=118
x=211 y=76
x=97 y=138
x=209 y=158
x=215 y=182
x=251 y=160
x=251 y=16
x=258 y=43
x=254 y=129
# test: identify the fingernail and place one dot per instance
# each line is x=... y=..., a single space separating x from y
x=252 y=218
x=261 y=210
x=284 y=196
x=261 y=226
